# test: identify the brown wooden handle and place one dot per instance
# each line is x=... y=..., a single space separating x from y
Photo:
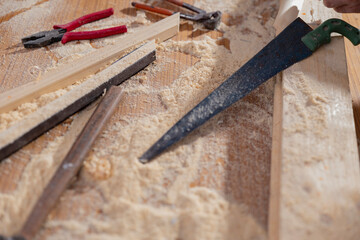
x=152 y=9
x=71 y=163
x=176 y=2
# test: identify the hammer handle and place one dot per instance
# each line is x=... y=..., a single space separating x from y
x=176 y=2
x=153 y=9
x=187 y=6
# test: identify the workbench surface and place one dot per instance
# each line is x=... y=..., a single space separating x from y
x=223 y=165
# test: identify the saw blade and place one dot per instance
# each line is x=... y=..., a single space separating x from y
x=282 y=52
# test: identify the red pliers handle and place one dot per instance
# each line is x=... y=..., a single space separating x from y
x=62 y=32
x=92 y=17
x=71 y=36
x=153 y=9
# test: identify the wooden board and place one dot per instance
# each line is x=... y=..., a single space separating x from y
x=68 y=74
x=244 y=179
x=236 y=179
x=315 y=183
x=353 y=60
x=40 y=121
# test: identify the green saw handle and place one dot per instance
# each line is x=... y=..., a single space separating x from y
x=321 y=35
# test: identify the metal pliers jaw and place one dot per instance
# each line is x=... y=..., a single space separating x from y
x=43 y=38
x=210 y=20
x=213 y=21
x=63 y=32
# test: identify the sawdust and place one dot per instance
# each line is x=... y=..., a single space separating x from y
x=319 y=155
x=76 y=92
x=98 y=168
x=61 y=54
x=16 y=205
x=310 y=107
x=201 y=188
x=11 y=118
x=37 y=169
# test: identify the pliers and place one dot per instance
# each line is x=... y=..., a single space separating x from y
x=210 y=20
x=62 y=32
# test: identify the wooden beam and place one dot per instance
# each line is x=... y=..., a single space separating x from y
x=315 y=176
x=55 y=112
x=69 y=73
x=353 y=56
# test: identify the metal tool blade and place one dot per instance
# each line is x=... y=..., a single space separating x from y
x=44 y=38
x=282 y=52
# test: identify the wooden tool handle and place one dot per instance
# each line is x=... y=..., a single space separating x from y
x=288 y=11
x=176 y=2
x=72 y=163
x=152 y=9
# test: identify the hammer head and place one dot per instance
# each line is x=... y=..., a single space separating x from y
x=211 y=20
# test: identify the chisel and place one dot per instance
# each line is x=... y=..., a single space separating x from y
x=295 y=43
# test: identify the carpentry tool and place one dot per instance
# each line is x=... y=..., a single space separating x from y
x=295 y=43
x=62 y=32
x=76 y=155
x=210 y=20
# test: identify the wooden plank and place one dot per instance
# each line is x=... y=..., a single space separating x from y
x=315 y=178
x=353 y=59
x=239 y=169
x=71 y=163
x=275 y=180
x=249 y=186
x=87 y=65
x=57 y=111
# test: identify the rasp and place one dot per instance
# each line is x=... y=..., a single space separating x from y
x=295 y=43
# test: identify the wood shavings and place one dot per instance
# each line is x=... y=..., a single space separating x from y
x=11 y=118
x=197 y=189
x=99 y=168
x=35 y=72
x=15 y=204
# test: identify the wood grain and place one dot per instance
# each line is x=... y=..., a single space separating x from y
x=353 y=60
x=57 y=111
x=315 y=158
x=70 y=73
x=74 y=159
x=15 y=73
x=244 y=179
x=276 y=157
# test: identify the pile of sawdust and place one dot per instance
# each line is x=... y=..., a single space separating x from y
x=201 y=188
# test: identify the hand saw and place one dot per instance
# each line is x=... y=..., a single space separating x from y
x=295 y=43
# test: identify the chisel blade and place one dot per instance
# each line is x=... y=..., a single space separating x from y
x=282 y=52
